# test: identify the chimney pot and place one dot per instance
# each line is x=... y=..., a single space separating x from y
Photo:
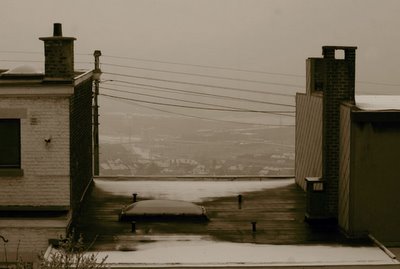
x=57 y=30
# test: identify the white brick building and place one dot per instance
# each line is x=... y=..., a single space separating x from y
x=45 y=148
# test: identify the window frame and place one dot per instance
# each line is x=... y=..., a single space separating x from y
x=13 y=169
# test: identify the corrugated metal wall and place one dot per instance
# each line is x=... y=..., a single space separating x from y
x=308 y=137
x=344 y=167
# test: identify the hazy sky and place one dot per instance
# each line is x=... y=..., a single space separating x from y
x=262 y=35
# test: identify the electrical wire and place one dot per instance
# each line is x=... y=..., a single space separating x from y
x=35 y=61
x=185 y=64
x=203 y=85
x=191 y=107
x=20 y=52
x=36 y=52
x=21 y=61
x=201 y=103
x=169 y=62
x=203 y=118
x=201 y=94
x=205 y=66
x=198 y=75
x=379 y=83
x=162 y=110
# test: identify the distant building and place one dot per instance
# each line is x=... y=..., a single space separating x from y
x=183 y=161
x=200 y=170
x=346 y=150
x=45 y=147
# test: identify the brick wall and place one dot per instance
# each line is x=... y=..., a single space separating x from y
x=46 y=165
x=59 y=58
x=338 y=86
x=81 y=141
x=59 y=55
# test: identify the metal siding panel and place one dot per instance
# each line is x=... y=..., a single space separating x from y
x=308 y=137
x=344 y=168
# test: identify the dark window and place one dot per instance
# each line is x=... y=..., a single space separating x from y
x=10 y=143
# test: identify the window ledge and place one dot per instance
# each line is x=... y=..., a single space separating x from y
x=11 y=172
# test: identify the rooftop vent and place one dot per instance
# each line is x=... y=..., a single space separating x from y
x=163 y=210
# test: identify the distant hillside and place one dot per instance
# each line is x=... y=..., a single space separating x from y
x=173 y=145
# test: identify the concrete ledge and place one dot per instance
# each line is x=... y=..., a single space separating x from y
x=36 y=90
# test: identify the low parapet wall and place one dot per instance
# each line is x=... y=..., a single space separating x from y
x=196 y=178
x=27 y=238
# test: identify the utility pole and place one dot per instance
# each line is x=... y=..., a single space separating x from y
x=96 y=79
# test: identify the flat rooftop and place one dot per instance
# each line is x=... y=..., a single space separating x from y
x=26 y=74
x=282 y=237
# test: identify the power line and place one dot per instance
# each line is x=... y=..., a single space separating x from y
x=204 y=118
x=206 y=66
x=203 y=85
x=201 y=103
x=167 y=98
x=379 y=83
x=199 y=75
x=184 y=106
x=21 y=61
x=184 y=92
x=169 y=62
x=236 y=79
x=36 y=52
x=20 y=52
x=36 y=61
x=186 y=64
x=202 y=94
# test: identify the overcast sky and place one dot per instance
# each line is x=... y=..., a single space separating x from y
x=262 y=35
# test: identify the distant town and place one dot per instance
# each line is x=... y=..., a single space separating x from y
x=151 y=145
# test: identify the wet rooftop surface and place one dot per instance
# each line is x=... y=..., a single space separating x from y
x=282 y=238
x=278 y=213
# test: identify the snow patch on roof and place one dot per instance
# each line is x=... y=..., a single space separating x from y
x=203 y=252
x=23 y=70
x=378 y=102
x=192 y=191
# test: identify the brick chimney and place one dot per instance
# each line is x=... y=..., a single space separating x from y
x=59 y=56
x=334 y=77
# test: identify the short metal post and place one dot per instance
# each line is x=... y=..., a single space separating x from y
x=133 y=227
x=240 y=201
x=134 y=197
x=254 y=226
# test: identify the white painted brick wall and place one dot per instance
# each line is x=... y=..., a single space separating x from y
x=46 y=166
